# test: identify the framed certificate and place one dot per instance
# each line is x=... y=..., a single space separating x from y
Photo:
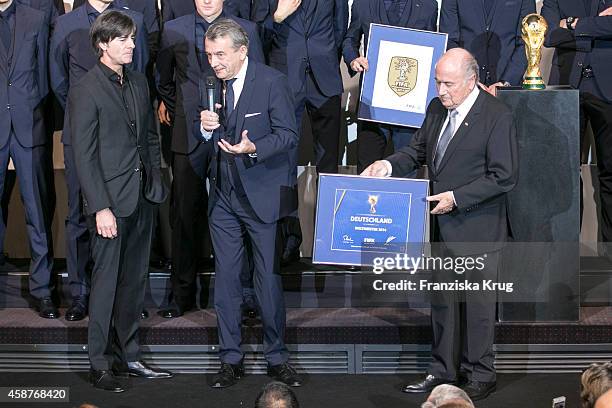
x=359 y=218
x=400 y=82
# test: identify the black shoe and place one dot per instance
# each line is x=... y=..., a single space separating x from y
x=478 y=390
x=2 y=258
x=105 y=380
x=78 y=310
x=140 y=369
x=174 y=310
x=46 y=308
x=144 y=314
x=228 y=375
x=286 y=374
x=426 y=385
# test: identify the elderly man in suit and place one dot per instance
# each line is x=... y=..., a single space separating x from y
x=182 y=71
x=468 y=141
x=373 y=137
x=23 y=71
x=70 y=59
x=252 y=136
x=581 y=33
x=117 y=161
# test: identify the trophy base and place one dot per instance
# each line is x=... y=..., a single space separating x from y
x=534 y=83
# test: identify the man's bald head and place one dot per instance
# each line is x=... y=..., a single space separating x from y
x=456 y=77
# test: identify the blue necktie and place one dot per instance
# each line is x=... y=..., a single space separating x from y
x=229 y=97
x=446 y=137
x=5 y=31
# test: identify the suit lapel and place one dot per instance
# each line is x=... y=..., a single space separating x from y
x=437 y=129
x=463 y=128
x=245 y=100
x=410 y=13
x=311 y=11
x=107 y=87
x=377 y=8
x=490 y=22
x=594 y=8
x=22 y=25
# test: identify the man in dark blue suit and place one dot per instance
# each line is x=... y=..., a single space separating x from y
x=24 y=36
x=182 y=70
x=172 y=9
x=420 y=14
x=71 y=57
x=303 y=40
x=581 y=32
x=491 y=30
x=249 y=175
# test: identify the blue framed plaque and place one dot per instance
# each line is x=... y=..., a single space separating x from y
x=359 y=218
x=400 y=81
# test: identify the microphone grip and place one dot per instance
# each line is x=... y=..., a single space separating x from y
x=210 y=94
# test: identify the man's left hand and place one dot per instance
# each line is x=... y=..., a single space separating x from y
x=244 y=147
x=606 y=12
x=445 y=203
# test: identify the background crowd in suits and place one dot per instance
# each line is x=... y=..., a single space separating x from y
x=304 y=40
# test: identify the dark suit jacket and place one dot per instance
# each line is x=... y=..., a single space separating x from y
x=422 y=15
x=24 y=82
x=592 y=41
x=295 y=44
x=109 y=151
x=181 y=78
x=48 y=7
x=496 y=37
x=480 y=166
x=265 y=109
x=72 y=56
x=172 y=9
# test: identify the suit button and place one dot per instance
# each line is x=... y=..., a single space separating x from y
x=8 y=107
x=136 y=169
x=10 y=84
x=138 y=146
x=580 y=64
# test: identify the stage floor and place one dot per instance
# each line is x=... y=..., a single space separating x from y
x=325 y=391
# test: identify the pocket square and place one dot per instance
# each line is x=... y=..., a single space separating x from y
x=248 y=115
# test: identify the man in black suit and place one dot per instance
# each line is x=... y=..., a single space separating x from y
x=249 y=177
x=468 y=141
x=117 y=161
x=182 y=70
x=581 y=32
x=172 y=9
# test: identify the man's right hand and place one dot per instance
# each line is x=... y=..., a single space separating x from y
x=606 y=12
x=377 y=169
x=360 y=64
x=106 y=223
x=210 y=120
x=285 y=9
x=164 y=115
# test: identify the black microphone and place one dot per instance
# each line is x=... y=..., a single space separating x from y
x=210 y=92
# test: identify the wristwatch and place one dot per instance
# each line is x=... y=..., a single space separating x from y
x=569 y=21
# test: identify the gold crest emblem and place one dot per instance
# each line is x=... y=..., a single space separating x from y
x=403 y=74
x=373 y=200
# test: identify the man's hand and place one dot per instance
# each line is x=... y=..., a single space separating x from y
x=210 y=120
x=106 y=223
x=493 y=88
x=376 y=169
x=606 y=12
x=285 y=9
x=244 y=147
x=563 y=23
x=445 y=203
x=360 y=64
x=164 y=115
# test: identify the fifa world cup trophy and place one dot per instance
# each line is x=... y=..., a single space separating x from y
x=533 y=32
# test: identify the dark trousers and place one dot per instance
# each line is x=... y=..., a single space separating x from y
x=231 y=221
x=78 y=260
x=599 y=113
x=373 y=138
x=463 y=325
x=118 y=285
x=188 y=218
x=30 y=168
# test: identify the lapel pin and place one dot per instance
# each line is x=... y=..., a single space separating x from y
x=466 y=124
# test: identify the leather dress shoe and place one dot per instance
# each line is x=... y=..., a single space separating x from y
x=174 y=310
x=144 y=314
x=228 y=375
x=478 y=390
x=286 y=374
x=105 y=380
x=46 y=308
x=140 y=369
x=78 y=310
x=426 y=385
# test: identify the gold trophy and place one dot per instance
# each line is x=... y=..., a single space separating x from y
x=533 y=32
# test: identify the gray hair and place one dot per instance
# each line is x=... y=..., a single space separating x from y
x=276 y=395
x=446 y=395
x=226 y=27
x=471 y=66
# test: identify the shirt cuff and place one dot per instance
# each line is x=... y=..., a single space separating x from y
x=205 y=133
x=454 y=201
x=389 y=167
